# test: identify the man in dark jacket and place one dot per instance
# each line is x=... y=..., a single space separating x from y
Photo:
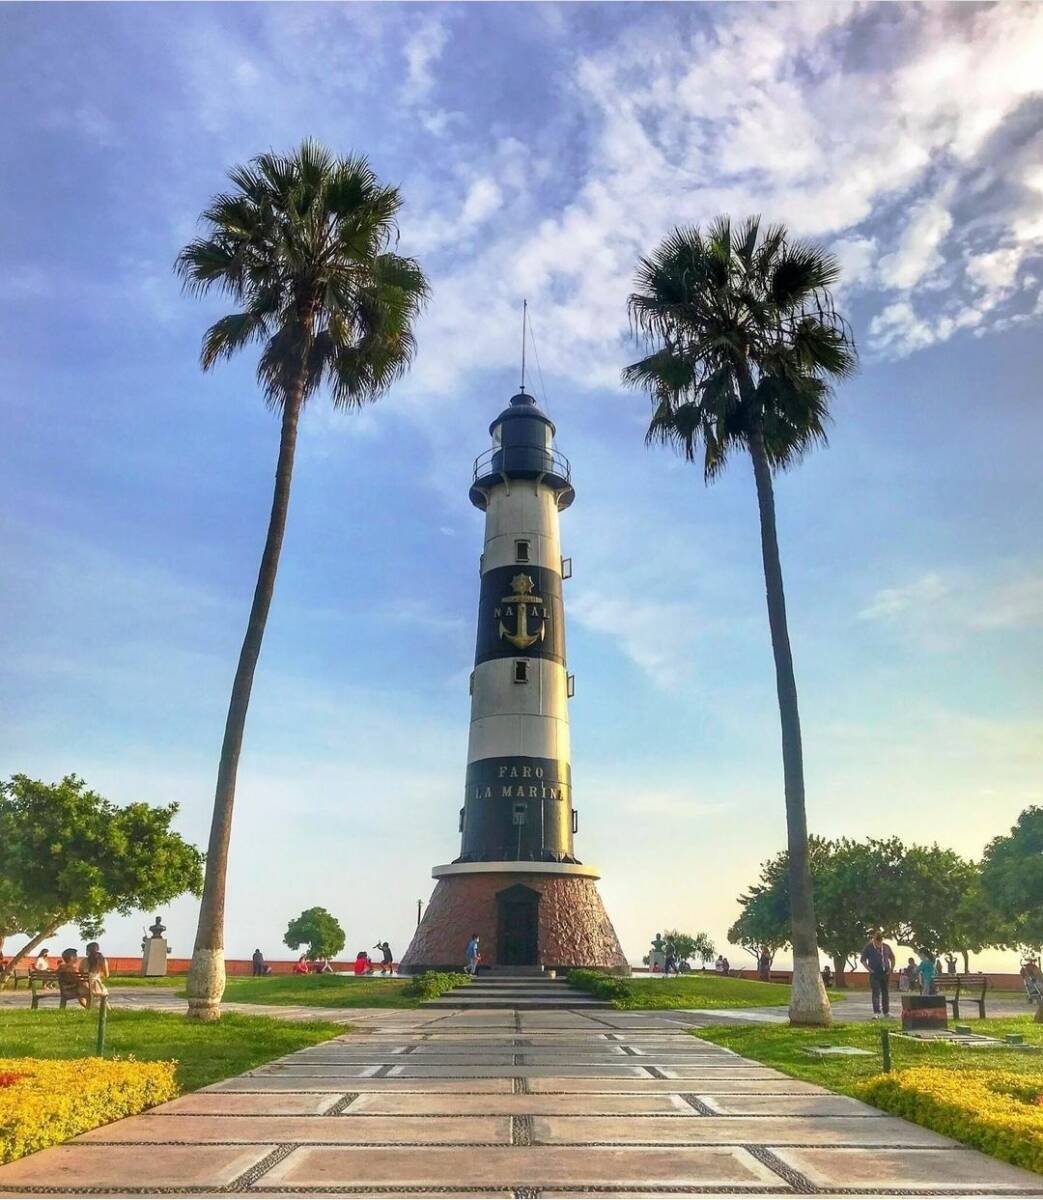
x=879 y=960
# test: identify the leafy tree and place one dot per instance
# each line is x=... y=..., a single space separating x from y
x=932 y=886
x=763 y=926
x=978 y=924
x=302 y=246
x=688 y=945
x=745 y=344
x=1012 y=880
x=72 y=856
x=317 y=929
x=857 y=889
x=704 y=947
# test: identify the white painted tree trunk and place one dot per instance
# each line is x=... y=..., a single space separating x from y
x=809 y=1004
x=206 y=984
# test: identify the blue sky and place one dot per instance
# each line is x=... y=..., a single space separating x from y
x=540 y=150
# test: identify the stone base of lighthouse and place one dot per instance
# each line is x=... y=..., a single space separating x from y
x=526 y=914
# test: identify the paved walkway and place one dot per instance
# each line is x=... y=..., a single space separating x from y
x=506 y=1103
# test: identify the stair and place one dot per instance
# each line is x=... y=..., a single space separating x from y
x=503 y=988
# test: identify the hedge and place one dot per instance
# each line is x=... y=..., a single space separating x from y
x=605 y=987
x=46 y=1101
x=429 y=985
x=999 y=1112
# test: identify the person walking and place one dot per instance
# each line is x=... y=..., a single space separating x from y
x=260 y=967
x=879 y=960
x=472 y=955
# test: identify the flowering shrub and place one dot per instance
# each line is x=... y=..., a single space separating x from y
x=45 y=1101
x=998 y=1112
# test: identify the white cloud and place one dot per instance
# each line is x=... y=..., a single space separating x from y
x=917 y=254
x=423 y=48
x=890 y=602
x=655 y=636
x=770 y=110
x=939 y=608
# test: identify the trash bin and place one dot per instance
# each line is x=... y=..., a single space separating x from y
x=924 y=1012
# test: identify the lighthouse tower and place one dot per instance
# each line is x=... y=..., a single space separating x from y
x=517 y=882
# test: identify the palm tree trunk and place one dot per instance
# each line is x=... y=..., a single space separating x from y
x=206 y=976
x=809 y=1004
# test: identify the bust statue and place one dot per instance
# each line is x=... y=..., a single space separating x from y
x=157 y=928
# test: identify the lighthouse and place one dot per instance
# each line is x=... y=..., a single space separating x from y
x=517 y=881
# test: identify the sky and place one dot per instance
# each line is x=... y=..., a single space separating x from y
x=540 y=149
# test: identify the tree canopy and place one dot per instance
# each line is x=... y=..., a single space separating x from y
x=690 y=945
x=317 y=929
x=1012 y=878
x=71 y=856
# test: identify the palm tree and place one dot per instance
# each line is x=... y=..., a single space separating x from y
x=302 y=245
x=744 y=345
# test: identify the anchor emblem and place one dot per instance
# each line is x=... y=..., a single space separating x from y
x=523 y=598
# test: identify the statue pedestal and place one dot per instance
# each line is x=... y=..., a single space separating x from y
x=154 y=952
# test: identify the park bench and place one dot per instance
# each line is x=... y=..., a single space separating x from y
x=48 y=985
x=977 y=985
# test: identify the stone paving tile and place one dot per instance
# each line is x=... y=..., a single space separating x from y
x=952 y=1169
x=718 y=1086
x=272 y=1104
x=734 y=1070
x=776 y=1131
x=288 y=1070
x=527 y=1105
x=520 y=1167
x=80 y=1165
x=273 y=1130
x=253 y=1083
x=319 y=1066
x=449 y=1071
x=789 y=1106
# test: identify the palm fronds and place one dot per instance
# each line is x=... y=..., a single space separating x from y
x=303 y=245
x=742 y=334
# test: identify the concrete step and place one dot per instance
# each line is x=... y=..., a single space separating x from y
x=531 y=995
x=449 y=1000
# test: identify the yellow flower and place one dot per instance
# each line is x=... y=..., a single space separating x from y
x=52 y=1100
x=993 y=1110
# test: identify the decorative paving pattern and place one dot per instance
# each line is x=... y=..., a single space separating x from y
x=517 y=1104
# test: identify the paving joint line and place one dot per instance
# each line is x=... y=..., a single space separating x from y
x=468 y=1190
x=252 y=1174
x=337 y=1107
x=795 y=1179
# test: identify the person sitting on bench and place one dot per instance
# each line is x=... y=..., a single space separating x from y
x=70 y=979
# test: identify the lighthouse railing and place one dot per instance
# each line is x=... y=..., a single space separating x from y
x=537 y=459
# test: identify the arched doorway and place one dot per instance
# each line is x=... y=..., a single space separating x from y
x=517 y=926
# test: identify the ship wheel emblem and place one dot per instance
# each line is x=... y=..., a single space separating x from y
x=523 y=599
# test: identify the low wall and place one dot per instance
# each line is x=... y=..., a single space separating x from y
x=233 y=966
x=1007 y=981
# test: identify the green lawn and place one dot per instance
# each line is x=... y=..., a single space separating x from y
x=205 y=1052
x=170 y=981
x=697 y=990
x=784 y=1047
x=325 y=991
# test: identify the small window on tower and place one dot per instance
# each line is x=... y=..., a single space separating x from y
x=521 y=671
x=570 y=686
x=521 y=551
x=470 y=684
